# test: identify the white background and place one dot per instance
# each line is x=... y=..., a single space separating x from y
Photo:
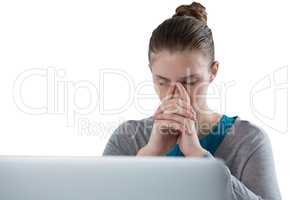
x=54 y=100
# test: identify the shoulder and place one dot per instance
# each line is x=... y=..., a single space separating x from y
x=247 y=133
x=248 y=153
x=243 y=139
x=129 y=136
x=244 y=132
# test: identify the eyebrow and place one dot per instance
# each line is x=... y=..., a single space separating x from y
x=183 y=78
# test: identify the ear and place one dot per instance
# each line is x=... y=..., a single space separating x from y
x=213 y=71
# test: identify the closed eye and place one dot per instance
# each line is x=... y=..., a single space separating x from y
x=162 y=83
x=189 y=82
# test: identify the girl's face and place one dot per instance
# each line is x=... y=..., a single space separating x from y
x=190 y=68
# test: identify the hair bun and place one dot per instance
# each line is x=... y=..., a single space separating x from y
x=195 y=9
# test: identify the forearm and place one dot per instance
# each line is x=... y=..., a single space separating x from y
x=252 y=186
x=239 y=190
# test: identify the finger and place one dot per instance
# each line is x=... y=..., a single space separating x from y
x=180 y=112
x=178 y=106
x=173 y=117
x=183 y=111
x=184 y=122
x=184 y=105
x=170 y=93
x=188 y=107
x=181 y=120
x=169 y=127
x=183 y=93
x=175 y=102
x=186 y=125
x=174 y=131
x=170 y=132
x=158 y=110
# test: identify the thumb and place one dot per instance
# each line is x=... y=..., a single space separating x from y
x=176 y=93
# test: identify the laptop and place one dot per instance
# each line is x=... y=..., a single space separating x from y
x=112 y=178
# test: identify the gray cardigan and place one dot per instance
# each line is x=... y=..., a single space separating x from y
x=246 y=151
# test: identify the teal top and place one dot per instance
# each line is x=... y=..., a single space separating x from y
x=211 y=141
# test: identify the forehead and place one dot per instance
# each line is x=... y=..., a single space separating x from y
x=178 y=64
